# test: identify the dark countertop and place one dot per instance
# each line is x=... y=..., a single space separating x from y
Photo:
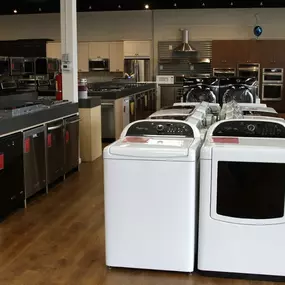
x=13 y=124
x=123 y=93
x=89 y=102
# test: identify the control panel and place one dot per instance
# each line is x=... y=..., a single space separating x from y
x=159 y=128
x=253 y=129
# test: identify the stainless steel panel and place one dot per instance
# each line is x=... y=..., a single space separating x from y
x=168 y=96
x=126 y=111
x=71 y=147
x=55 y=151
x=34 y=161
x=190 y=64
x=108 y=120
x=139 y=69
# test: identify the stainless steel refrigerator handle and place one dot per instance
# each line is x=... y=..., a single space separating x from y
x=72 y=122
x=54 y=128
x=107 y=104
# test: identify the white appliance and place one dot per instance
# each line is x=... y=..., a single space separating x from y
x=165 y=79
x=150 y=179
x=242 y=192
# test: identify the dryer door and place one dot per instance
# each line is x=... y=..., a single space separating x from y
x=248 y=185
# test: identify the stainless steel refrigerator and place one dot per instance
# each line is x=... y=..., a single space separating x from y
x=138 y=69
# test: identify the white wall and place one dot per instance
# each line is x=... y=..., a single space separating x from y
x=97 y=26
x=203 y=24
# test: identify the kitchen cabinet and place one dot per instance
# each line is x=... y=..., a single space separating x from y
x=272 y=53
x=137 y=49
x=54 y=50
x=117 y=57
x=99 y=49
x=83 y=57
x=224 y=53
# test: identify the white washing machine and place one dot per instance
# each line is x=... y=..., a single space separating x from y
x=150 y=179
x=242 y=194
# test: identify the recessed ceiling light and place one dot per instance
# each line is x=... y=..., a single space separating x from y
x=146 y=6
x=15 y=11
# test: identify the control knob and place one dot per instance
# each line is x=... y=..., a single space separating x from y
x=251 y=128
x=160 y=128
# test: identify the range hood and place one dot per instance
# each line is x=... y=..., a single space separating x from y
x=185 y=46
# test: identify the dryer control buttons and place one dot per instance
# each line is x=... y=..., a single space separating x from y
x=160 y=128
x=255 y=129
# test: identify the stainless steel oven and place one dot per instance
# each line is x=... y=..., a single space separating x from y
x=99 y=64
x=224 y=72
x=249 y=70
x=272 y=75
x=272 y=84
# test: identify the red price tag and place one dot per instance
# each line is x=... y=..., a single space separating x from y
x=226 y=140
x=1 y=161
x=13 y=65
x=27 y=145
x=67 y=137
x=49 y=140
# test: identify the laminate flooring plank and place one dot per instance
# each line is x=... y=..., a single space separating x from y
x=59 y=240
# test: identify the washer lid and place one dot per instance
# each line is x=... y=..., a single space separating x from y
x=153 y=147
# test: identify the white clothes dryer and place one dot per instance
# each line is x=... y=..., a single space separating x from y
x=242 y=194
x=150 y=180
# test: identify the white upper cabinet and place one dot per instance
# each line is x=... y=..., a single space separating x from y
x=117 y=57
x=53 y=50
x=83 y=57
x=137 y=49
x=99 y=50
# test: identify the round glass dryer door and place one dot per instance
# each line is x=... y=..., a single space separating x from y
x=240 y=94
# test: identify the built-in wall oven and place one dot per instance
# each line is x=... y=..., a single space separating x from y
x=224 y=72
x=249 y=70
x=272 y=84
x=99 y=64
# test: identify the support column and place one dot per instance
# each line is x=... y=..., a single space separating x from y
x=68 y=21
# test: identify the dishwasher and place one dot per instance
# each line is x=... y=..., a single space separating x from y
x=108 y=119
x=71 y=143
x=55 y=151
x=34 y=161
x=12 y=194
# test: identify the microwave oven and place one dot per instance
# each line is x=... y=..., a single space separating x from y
x=99 y=64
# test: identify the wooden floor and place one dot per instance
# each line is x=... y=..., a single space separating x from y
x=59 y=240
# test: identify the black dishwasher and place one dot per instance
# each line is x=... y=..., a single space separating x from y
x=34 y=161
x=71 y=149
x=55 y=151
x=11 y=174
